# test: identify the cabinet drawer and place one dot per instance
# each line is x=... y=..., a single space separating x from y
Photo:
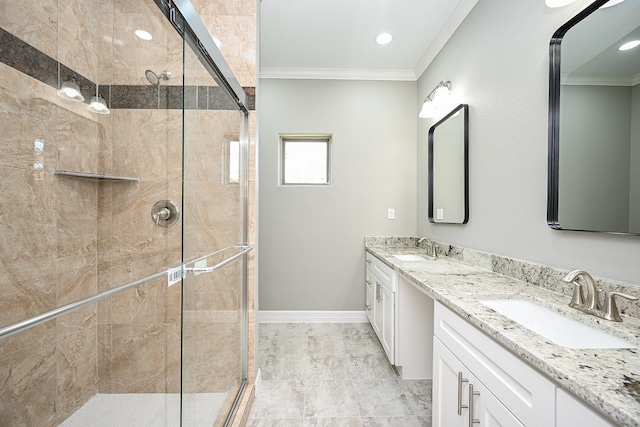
x=382 y=270
x=526 y=392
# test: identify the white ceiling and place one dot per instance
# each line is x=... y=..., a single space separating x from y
x=335 y=38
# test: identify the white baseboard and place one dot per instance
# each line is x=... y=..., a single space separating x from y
x=273 y=316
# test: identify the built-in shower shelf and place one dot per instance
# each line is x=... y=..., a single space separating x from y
x=96 y=176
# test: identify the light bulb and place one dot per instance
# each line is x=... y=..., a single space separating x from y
x=384 y=38
x=428 y=110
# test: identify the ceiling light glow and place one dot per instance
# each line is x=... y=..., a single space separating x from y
x=384 y=38
x=629 y=45
x=558 y=3
x=611 y=3
x=144 y=35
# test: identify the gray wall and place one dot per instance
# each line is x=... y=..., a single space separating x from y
x=312 y=239
x=594 y=157
x=498 y=63
x=634 y=186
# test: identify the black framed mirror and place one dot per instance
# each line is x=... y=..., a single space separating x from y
x=449 y=168
x=594 y=121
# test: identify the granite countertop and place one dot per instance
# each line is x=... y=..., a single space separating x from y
x=606 y=379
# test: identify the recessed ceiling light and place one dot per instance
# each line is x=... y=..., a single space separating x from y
x=611 y=3
x=558 y=3
x=629 y=45
x=144 y=35
x=384 y=38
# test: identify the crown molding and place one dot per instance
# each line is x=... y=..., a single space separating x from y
x=450 y=27
x=336 y=74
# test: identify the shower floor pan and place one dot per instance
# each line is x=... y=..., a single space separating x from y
x=147 y=410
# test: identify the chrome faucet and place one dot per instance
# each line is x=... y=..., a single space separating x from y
x=431 y=248
x=592 y=304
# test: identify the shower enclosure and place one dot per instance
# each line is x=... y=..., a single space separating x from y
x=123 y=217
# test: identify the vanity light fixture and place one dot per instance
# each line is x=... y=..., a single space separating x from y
x=435 y=100
x=70 y=91
x=630 y=45
x=384 y=38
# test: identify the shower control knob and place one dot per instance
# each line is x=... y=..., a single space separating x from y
x=165 y=213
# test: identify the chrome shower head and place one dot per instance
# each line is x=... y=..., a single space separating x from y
x=154 y=77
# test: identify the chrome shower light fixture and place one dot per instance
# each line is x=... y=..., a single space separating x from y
x=436 y=99
x=70 y=91
x=98 y=104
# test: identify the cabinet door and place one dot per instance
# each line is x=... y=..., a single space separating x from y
x=489 y=411
x=450 y=388
x=369 y=298
x=388 y=326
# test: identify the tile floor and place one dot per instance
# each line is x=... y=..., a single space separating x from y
x=333 y=374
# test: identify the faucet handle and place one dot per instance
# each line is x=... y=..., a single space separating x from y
x=577 y=300
x=611 y=309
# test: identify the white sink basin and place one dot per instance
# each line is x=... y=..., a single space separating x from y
x=410 y=257
x=555 y=327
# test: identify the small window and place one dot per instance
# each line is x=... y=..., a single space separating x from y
x=305 y=160
x=234 y=162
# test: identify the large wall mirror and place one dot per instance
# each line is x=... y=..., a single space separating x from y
x=594 y=121
x=449 y=168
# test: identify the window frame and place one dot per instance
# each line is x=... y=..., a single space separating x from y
x=323 y=138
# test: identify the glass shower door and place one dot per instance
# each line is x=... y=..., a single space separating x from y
x=213 y=320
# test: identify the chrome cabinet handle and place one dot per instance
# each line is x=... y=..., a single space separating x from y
x=472 y=393
x=368 y=261
x=460 y=381
x=378 y=296
x=368 y=282
x=368 y=307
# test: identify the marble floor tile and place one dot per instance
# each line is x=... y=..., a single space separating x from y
x=325 y=375
x=330 y=398
x=382 y=397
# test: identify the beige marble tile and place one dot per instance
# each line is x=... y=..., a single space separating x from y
x=216 y=346
x=27 y=290
x=219 y=219
x=34 y=21
x=76 y=213
x=133 y=227
x=78 y=142
x=104 y=349
x=132 y=56
x=27 y=234
x=140 y=141
x=225 y=7
x=28 y=378
x=77 y=376
x=104 y=40
x=77 y=38
x=76 y=278
x=145 y=358
x=29 y=136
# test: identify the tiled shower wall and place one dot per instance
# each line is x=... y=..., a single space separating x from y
x=64 y=238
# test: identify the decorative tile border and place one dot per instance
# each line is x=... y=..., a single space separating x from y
x=525 y=271
x=27 y=59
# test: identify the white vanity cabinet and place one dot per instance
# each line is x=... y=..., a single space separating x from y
x=380 y=297
x=511 y=393
x=460 y=399
x=571 y=412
